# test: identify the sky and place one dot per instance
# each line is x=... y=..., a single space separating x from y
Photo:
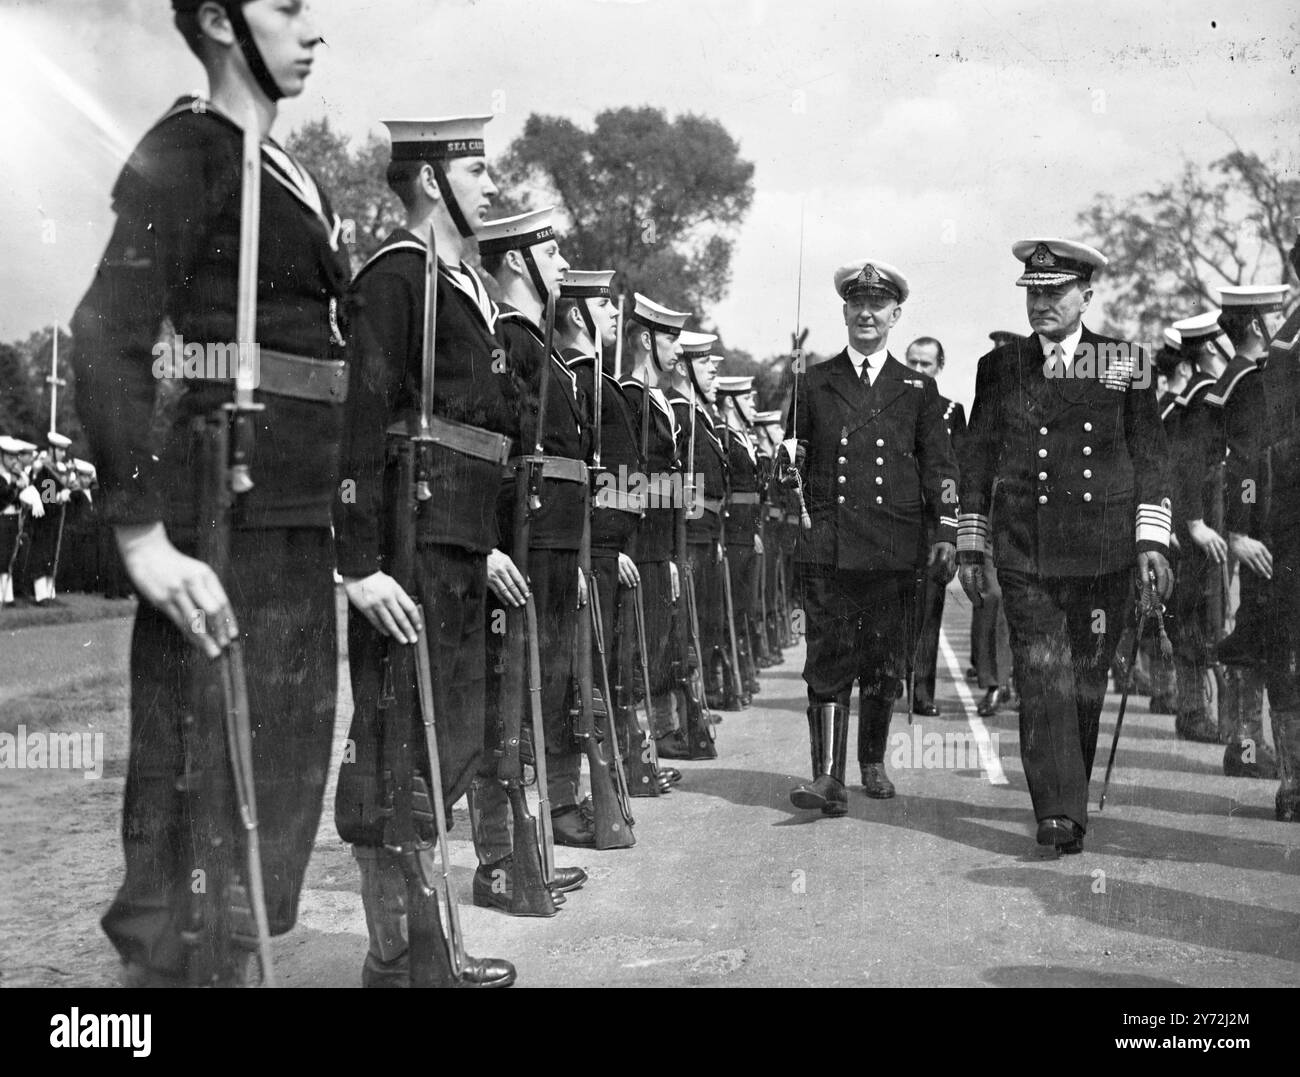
x=930 y=134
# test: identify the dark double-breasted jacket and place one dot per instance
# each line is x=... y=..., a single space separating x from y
x=879 y=467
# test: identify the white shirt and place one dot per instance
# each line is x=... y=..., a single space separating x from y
x=1068 y=347
x=875 y=362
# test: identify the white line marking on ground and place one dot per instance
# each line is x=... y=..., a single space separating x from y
x=988 y=757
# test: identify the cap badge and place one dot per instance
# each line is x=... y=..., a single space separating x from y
x=1043 y=256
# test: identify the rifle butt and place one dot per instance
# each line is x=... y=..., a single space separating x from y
x=529 y=894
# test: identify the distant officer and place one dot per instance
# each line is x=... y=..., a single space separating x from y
x=19 y=500
x=878 y=468
x=1196 y=450
x=174 y=255
x=439 y=172
x=650 y=340
x=1248 y=316
x=925 y=356
x=1065 y=424
x=51 y=476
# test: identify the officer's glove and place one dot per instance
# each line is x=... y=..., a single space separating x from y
x=788 y=475
x=973 y=583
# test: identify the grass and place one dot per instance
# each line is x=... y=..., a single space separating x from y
x=75 y=609
x=96 y=702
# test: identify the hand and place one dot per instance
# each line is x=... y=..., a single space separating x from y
x=1209 y=541
x=675 y=580
x=582 y=588
x=384 y=603
x=64 y=496
x=943 y=562
x=1252 y=553
x=506 y=581
x=758 y=545
x=973 y=583
x=1154 y=561
x=787 y=472
x=31 y=497
x=628 y=575
x=184 y=588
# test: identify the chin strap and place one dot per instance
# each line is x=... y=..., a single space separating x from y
x=453 y=207
x=252 y=54
x=535 y=275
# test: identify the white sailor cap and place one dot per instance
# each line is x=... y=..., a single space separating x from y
x=737 y=384
x=1198 y=326
x=439 y=139
x=769 y=418
x=517 y=232
x=696 y=345
x=586 y=283
x=657 y=318
x=1173 y=338
x=15 y=446
x=871 y=277
x=1049 y=262
x=84 y=467
x=59 y=441
x=1255 y=296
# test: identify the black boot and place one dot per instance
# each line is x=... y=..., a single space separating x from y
x=873 y=734
x=828 y=732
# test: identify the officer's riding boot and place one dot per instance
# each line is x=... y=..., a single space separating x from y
x=873 y=735
x=1247 y=756
x=1286 y=734
x=828 y=731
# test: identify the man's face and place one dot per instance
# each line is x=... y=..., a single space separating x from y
x=286 y=37
x=706 y=377
x=605 y=315
x=669 y=349
x=1162 y=384
x=551 y=265
x=869 y=319
x=1055 y=312
x=924 y=359
x=471 y=185
x=747 y=405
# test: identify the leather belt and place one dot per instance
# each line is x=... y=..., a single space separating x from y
x=459 y=437
x=745 y=498
x=559 y=468
x=608 y=497
x=302 y=378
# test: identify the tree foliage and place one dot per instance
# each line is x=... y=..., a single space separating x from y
x=657 y=199
x=1172 y=246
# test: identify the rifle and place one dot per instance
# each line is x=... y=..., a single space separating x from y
x=408 y=667
x=643 y=762
x=697 y=722
x=739 y=677
x=613 y=816
x=220 y=685
x=532 y=866
x=1149 y=605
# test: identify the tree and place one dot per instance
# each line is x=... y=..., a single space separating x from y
x=1171 y=247
x=20 y=404
x=656 y=199
x=353 y=180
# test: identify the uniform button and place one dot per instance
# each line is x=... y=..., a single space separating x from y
x=1042 y=499
x=1042 y=430
x=840 y=499
x=1087 y=497
x=880 y=460
x=1087 y=450
x=1042 y=454
x=880 y=481
x=842 y=480
x=840 y=460
x=1042 y=476
x=880 y=500
x=1087 y=428
x=844 y=441
x=1087 y=473
x=880 y=443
